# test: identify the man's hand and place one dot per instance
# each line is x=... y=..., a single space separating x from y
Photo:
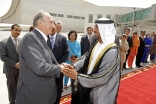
x=17 y=65
x=70 y=72
x=147 y=45
x=71 y=60
x=63 y=66
x=75 y=59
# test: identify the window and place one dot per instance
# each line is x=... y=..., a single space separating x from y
x=60 y=15
x=99 y=16
x=69 y=16
x=108 y=16
x=83 y=18
x=90 y=18
x=77 y=17
x=53 y=14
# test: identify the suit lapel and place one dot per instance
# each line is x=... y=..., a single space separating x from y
x=56 y=41
x=87 y=40
x=12 y=44
x=45 y=44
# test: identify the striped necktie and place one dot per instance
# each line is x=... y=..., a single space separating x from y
x=52 y=42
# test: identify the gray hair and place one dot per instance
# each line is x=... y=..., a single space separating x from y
x=38 y=16
x=60 y=23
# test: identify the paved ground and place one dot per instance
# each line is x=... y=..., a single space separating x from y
x=3 y=87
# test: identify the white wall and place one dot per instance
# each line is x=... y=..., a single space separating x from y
x=28 y=8
x=54 y=6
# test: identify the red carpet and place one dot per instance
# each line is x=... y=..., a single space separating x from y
x=66 y=99
x=137 y=87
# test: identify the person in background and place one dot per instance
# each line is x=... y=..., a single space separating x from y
x=9 y=53
x=152 y=37
x=124 y=47
x=129 y=40
x=74 y=52
x=153 y=49
x=148 y=43
x=87 y=41
x=133 y=49
x=59 y=26
x=31 y=28
x=59 y=47
x=140 y=50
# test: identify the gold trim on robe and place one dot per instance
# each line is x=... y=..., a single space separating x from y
x=97 y=61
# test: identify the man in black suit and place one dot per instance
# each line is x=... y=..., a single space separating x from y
x=129 y=40
x=10 y=57
x=59 y=47
x=140 y=50
x=87 y=41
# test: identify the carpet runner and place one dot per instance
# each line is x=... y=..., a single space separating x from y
x=137 y=87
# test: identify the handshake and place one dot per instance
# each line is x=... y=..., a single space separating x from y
x=69 y=70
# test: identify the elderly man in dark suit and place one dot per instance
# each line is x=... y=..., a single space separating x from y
x=38 y=66
x=9 y=55
x=59 y=47
x=87 y=41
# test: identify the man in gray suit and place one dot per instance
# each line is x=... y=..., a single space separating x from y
x=9 y=55
x=87 y=41
x=38 y=66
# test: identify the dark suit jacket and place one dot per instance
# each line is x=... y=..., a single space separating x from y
x=38 y=70
x=61 y=52
x=142 y=45
x=129 y=40
x=60 y=49
x=85 y=45
x=9 y=56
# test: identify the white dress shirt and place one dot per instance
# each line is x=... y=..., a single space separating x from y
x=44 y=36
x=13 y=39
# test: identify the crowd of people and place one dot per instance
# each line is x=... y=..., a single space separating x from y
x=137 y=46
x=36 y=65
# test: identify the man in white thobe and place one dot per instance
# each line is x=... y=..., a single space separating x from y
x=97 y=73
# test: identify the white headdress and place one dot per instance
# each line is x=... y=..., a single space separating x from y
x=107 y=30
x=107 y=33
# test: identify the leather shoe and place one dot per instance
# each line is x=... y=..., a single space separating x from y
x=138 y=66
x=124 y=68
x=146 y=62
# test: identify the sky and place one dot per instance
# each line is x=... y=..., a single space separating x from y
x=4 y=6
x=124 y=3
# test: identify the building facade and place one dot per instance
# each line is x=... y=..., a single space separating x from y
x=74 y=14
